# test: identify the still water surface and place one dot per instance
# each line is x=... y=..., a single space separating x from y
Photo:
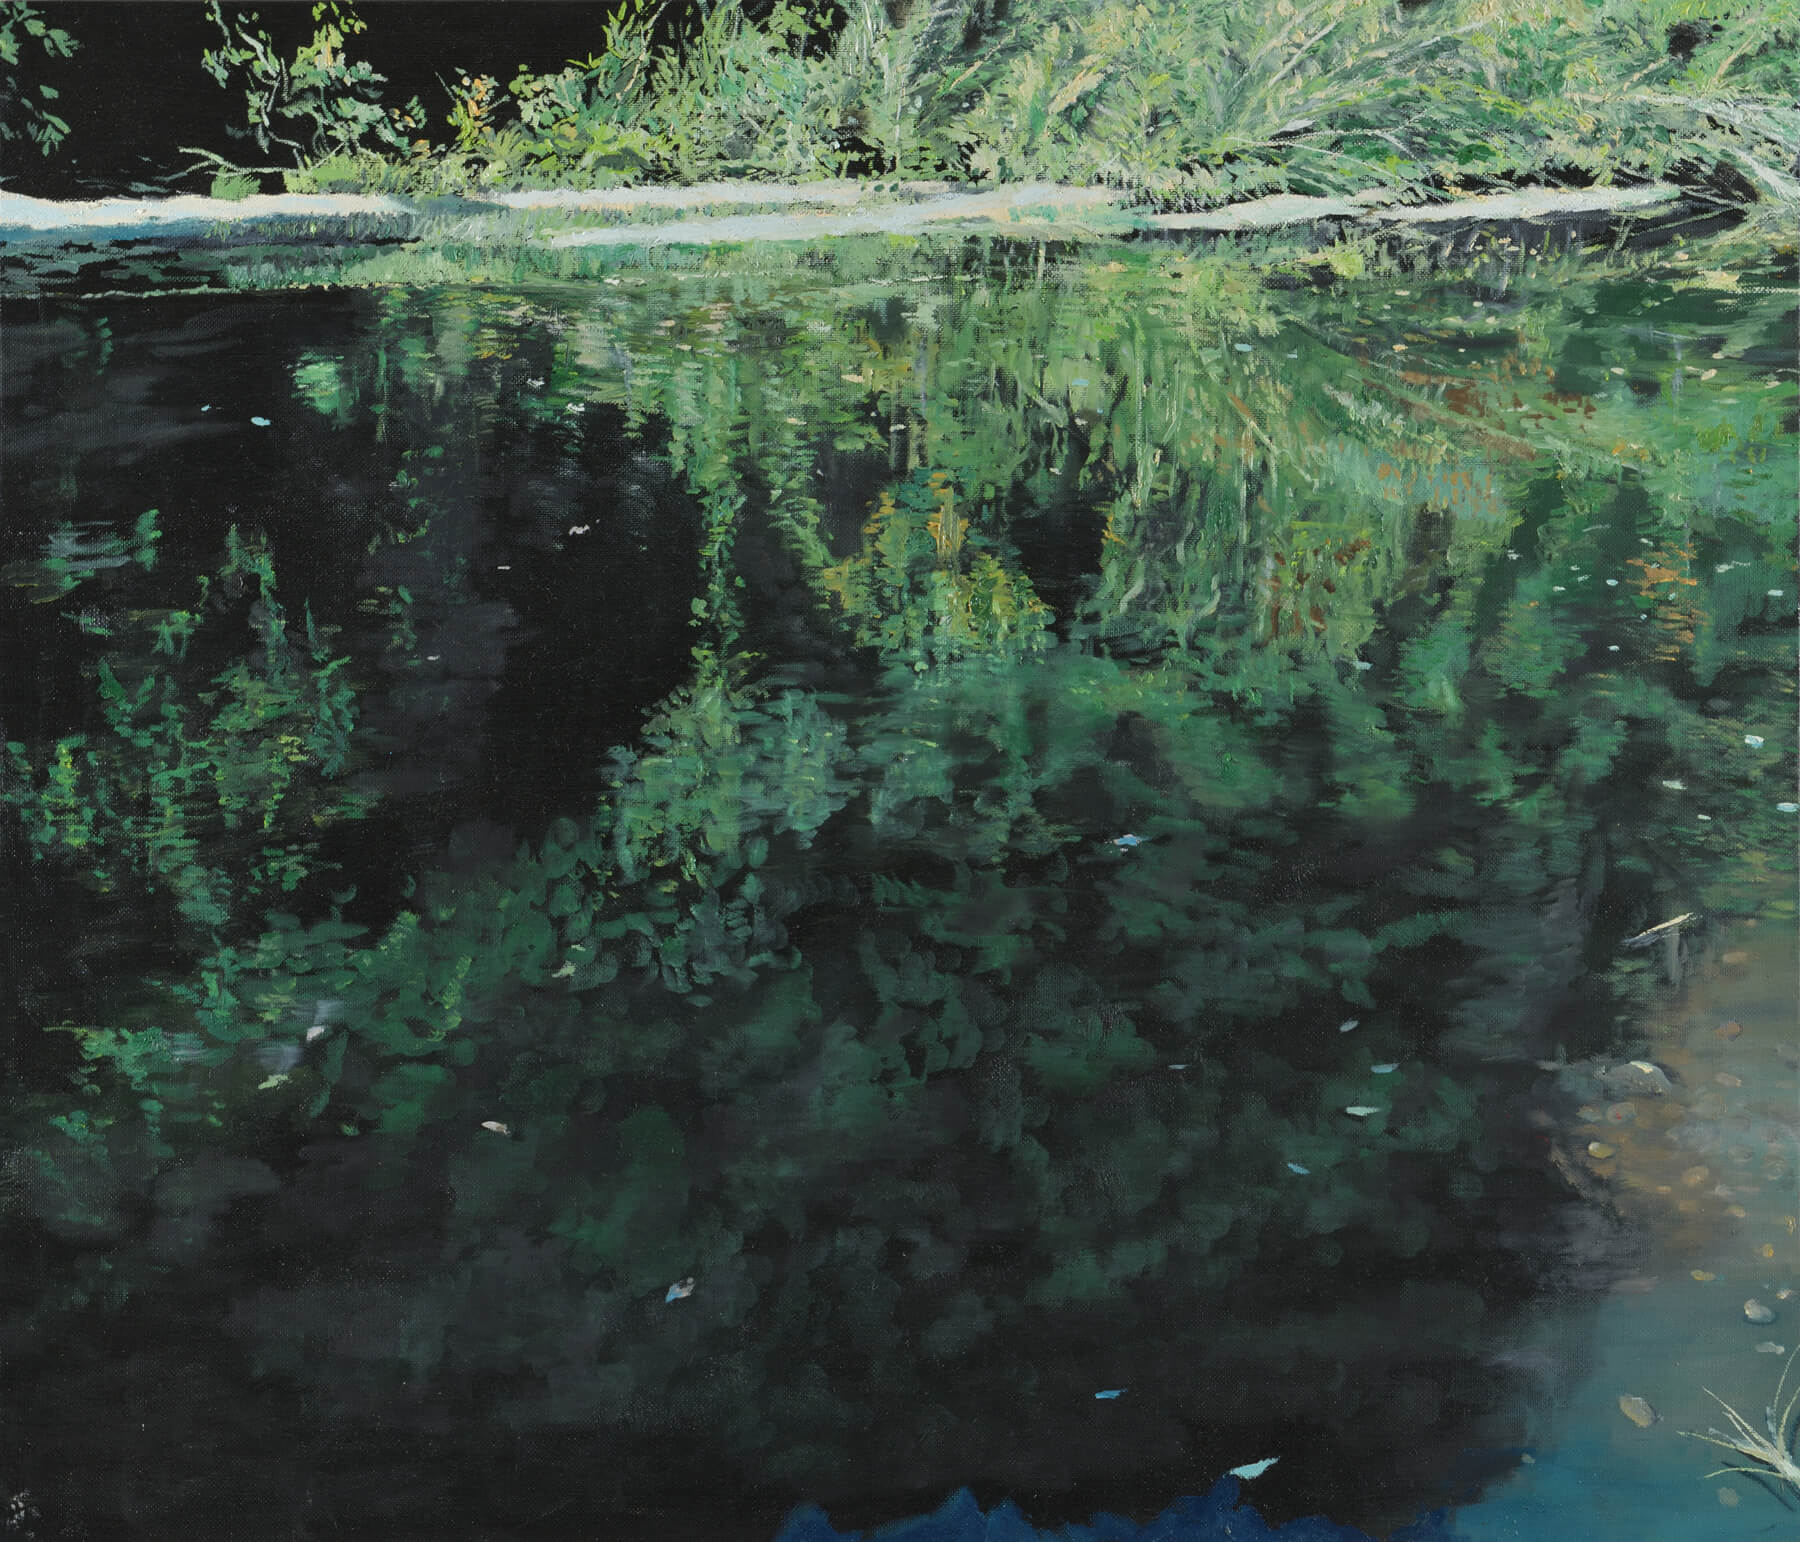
x=691 y=889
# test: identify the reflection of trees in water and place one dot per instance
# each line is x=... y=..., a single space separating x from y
x=846 y=999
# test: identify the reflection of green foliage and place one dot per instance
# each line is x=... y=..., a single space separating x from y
x=975 y=986
x=320 y=382
x=72 y=556
x=924 y=588
x=209 y=793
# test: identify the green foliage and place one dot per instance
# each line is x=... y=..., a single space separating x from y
x=232 y=186
x=585 y=125
x=333 y=103
x=1187 y=105
x=26 y=110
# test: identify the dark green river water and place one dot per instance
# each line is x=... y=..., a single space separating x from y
x=633 y=898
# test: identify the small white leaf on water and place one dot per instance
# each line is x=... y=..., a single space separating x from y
x=274 y=1081
x=1295 y=1167
x=496 y=1126
x=1754 y=741
x=260 y=422
x=1255 y=1469
x=1676 y=785
x=317 y=1031
x=1770 y=1347
x=680 y=1290
x=1385 y=1070
x=1361 y=1110
x=1126 y=842
x=1787 y=808
x=1612 y=647
x=567 y=969
x=1775 y=594
x=579 y=529
x=1178 y=1065
x=1612 y=583
x=1349 y=1023
x=1364 y=664
x=1110 y=1393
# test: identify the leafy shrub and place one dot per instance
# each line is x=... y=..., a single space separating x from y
x=232 y=185
x=1184 y=104
x=331 y=101
x=25 y=112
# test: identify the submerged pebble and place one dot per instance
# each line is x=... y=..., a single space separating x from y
x=1636 y=1079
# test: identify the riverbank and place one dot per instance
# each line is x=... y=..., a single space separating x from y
x=716 y=213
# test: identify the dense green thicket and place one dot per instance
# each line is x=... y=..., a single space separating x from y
x=955 y=962
x=1183 y=103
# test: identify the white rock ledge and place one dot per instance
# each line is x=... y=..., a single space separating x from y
x=752 y=212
